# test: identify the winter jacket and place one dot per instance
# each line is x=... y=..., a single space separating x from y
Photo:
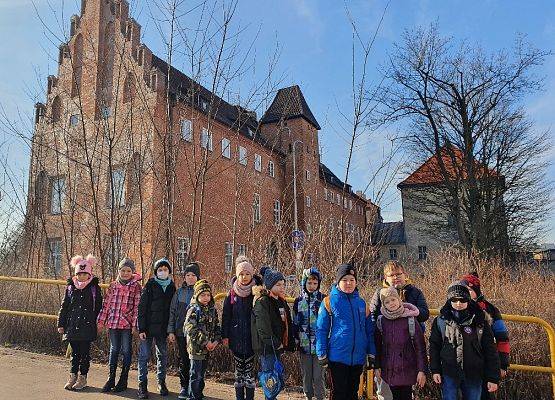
x=346 y=334
x=121 y=304
x=305 y=315
x=79 y=310
x=399 y=356
x=409 y=294
x=460 y=354
x=500 y=332
x=268 y=329
x=178 y=309
x=154 y=309
x=201 y=326
x=236 y=321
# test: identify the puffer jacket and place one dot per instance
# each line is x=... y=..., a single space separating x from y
x=500 y=331
x=79 y=311
x=154 y=309
x=178 y=309
x=201 y=326
x=409 y=294
x=121 y=305
x=346 y=334
x=460 y=354
x=305 y=315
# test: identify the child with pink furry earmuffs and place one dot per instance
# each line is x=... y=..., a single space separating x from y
x=77 y=318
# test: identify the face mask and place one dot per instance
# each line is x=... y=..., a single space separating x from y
x=162 y=275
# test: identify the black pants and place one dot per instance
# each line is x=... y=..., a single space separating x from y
x=401 y=392
x=345 y=380
x=80 y=356
x=184 y=362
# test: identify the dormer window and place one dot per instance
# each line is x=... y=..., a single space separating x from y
x=251 y=131
x=203 y=103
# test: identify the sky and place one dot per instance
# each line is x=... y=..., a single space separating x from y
x=314 y=38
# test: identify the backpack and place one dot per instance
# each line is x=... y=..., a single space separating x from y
x=412 y=326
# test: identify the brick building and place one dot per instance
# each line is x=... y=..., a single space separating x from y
x=132 y=157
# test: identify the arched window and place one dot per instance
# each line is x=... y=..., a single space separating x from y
x=56 y=109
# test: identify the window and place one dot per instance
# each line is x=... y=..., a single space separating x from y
x=277 y=212
x=344 y=202
x=326 y=195
x=73 y=120
x=350 y=204
x=182 y=253
x=186 y=130
x=242 y=155
x=117 y=188
x=251 y=131
x=241 y=249
x=57 y=194
x=114 y=249
x=309 y=229
x=226 y=148
x=337 y=198
x=308 y=201
x=307 y=175
x=256 y=208
x=54 y=252
x=258 y=162
x=203 y=104
x=228 y=256
x=105 y=112
x=271 y=170
x=206 y=139
x=392 y=254
x=422 y=253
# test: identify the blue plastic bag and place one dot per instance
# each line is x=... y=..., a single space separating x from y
x=272 y=380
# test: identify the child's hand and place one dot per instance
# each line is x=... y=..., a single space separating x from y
x=99 y=329
x=209 y=346
x=133 y=331
x=421 y=379
x=171 y=338
x=492 y=387
x=378 y=375
x=142 y=335
x=225 y=342
x=437 y=378
x=60 y=330
x=503 y=373
x=323 y=361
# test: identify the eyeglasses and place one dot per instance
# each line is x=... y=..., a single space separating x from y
x=397 y=275
x=459 y=300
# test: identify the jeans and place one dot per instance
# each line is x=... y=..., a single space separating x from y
x=80 y=356
x=471 y=390
x=161 y=357
x=184 y=362
x=120 y=341
x=196 y=379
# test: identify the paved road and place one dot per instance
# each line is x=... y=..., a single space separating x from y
x=25 y=375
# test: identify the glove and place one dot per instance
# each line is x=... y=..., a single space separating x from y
x=323 y=361
x=370 y=361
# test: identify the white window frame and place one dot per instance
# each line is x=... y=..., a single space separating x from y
x=338 y=198
x=182 y=253
x=308 y=201
x=226 y=148
x=350 y=204
x=271 y=169
x=422 y=253
x=242 y=155
x=119 y=200
x=186 y=127
x=228 y=256
x=206 y=139
x=241 y=249
x=258 y=162
x=307 y=174
x=345 y=203
x=54 y=256
x=326 y=194
x=277 y=212
x=256 y=209
x=393 y=253
x=57 y=194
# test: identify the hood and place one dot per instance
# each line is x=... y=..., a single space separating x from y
x=258 y=292
x=306 y=274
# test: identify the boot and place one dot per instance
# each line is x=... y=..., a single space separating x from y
x=142 y=393
x=162 y=388
x=249 y=393
x=183 y=394
x=239 y=393
x=70 y=382
x=81 y=382
x=122 y=383
x=109 y=385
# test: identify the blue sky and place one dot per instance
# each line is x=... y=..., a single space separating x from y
x=315 y=41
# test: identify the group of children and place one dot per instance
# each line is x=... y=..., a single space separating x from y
x=339 y=333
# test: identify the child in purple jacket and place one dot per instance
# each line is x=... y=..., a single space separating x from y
x=400 y=346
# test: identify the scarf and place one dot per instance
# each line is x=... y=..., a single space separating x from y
x=124 y=281
x=243 y=290
x=406 y=310
x=81 y=285
x=163 y=283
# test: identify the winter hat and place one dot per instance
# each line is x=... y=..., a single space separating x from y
x=81 y=264
x=307 y=273
x=192 y=267
x=472 y=281
x=242 y=263
x=270 y=277
x=458 y=290
x=161 y=262
x=126 y=262
x=389 y=291
x=343 y=270
x=200 y=287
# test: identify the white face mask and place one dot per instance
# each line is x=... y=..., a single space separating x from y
x=162 y=275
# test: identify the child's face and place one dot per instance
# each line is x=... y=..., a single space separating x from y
x=163 y=272
x=459 y=304
x=82 y=276
x=126 y=273
x=245 y=277
x=204 y=298
x=348 y=284
x=190 y=278
x=396 y=278
x=311 y=285
x=278 y=289
x=392 y=303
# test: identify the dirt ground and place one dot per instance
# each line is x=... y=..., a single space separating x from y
x=25 y=375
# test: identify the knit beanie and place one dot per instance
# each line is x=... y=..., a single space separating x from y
x=81 y=264
x=192 y=267
x=389 y=292
x=270 y=277
x=242 y=263
x=343 y=270
x=458 y=290
x=200 y=287
x=126 y=262
x=162 y=262
x=473 y=281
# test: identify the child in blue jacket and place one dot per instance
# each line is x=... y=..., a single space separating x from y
x=345 y=334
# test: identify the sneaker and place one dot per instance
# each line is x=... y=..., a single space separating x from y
x=183 y=394
x=70 y=382
x=81 y=383
x=162 y=388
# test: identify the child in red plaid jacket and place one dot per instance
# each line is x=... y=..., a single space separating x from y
x=119 y=316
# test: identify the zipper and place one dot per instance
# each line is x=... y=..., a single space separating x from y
x=354 y=328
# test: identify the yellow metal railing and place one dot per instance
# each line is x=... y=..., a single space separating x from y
x=366 y=389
